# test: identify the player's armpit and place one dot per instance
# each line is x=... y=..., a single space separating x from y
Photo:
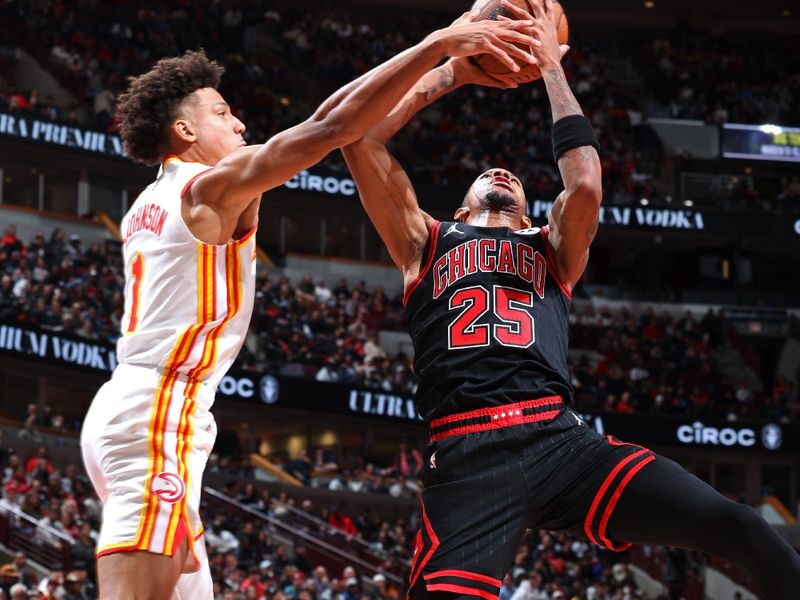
x=391 y=203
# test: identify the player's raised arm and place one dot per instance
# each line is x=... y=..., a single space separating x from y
x=350 y=112
x=432 y=86
x=391 y=203
x=383 y=185
x=574 y=216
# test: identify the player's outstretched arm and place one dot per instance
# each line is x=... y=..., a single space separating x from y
x=384 y=187
x=453 y=74
x=350 y=112
x=575 y=213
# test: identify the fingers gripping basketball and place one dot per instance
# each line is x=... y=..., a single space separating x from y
x=492 y=9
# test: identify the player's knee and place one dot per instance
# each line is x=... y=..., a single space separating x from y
x=744 y=518
x=739 y=523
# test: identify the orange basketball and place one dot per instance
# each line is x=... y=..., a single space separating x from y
x=491 y=9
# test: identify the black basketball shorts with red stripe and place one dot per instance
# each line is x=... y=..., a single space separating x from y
x=493 y=473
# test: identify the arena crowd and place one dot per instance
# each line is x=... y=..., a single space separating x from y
x=650 y=363
x=281 y=62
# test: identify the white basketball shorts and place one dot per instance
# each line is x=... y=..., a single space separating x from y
x=145 y=443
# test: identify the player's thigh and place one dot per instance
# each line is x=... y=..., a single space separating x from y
x=139 y=575
x=576 y=477
x=666 y=504
x=474 y=515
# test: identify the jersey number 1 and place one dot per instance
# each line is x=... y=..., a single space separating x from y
x=137 y=272
x=508 y=305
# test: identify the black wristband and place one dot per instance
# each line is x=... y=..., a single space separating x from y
x=572 y=132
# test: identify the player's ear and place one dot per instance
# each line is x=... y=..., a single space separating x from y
x=462 y=214
x=526 y=222
x=184 y=131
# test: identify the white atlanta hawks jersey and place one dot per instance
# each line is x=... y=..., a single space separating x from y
x=187 y=304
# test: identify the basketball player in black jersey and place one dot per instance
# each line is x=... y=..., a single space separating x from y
x=487 y=298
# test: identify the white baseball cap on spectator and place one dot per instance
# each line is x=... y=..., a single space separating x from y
x=378 y=578
x=265 y=564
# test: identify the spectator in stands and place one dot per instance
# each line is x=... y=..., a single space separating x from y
x=33 y=418
x=295 y=584
x=104 y=109
x=378 y=589
x=83 y=549
x=9 y=576
x=300 y=467
x=402 y=487
x=249 y=496
x=321 y=582
x=219 y=537
x=18 y=592
x=409 y=461
x=26 y=575
x=32 y=502
x=351 y=587
x=10 y=242
x=51 y=588
x=531 y=588
x=76 y=587
x=39 y=461
x=341 y=521
x=255 y=581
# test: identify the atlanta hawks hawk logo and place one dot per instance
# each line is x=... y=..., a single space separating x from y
x=168 y=487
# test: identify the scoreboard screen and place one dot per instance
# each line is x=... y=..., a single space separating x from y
x=760 y=142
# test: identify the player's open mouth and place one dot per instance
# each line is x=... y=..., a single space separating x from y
x=503 y=183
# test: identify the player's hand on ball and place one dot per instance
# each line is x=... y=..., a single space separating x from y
x=518 y=79
x=465 y=71
x=468 y=38
x=547 y=51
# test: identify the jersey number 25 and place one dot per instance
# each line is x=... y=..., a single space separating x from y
x=508 y=304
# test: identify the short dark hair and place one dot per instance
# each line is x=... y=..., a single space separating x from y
x=149 y=106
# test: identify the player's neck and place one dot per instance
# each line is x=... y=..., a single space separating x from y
x=489 y=218
x=194 y=154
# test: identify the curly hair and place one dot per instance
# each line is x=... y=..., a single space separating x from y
x=150 y=105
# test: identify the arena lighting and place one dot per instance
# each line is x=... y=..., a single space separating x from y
x=688 y=203
x=649 y=4
x=644 y=201
x=771 y=129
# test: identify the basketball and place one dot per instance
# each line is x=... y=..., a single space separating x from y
x=491 y=9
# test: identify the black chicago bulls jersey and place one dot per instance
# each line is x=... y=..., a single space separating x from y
x=488 y=318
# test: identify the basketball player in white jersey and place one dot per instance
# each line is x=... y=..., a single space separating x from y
x=189 y=253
